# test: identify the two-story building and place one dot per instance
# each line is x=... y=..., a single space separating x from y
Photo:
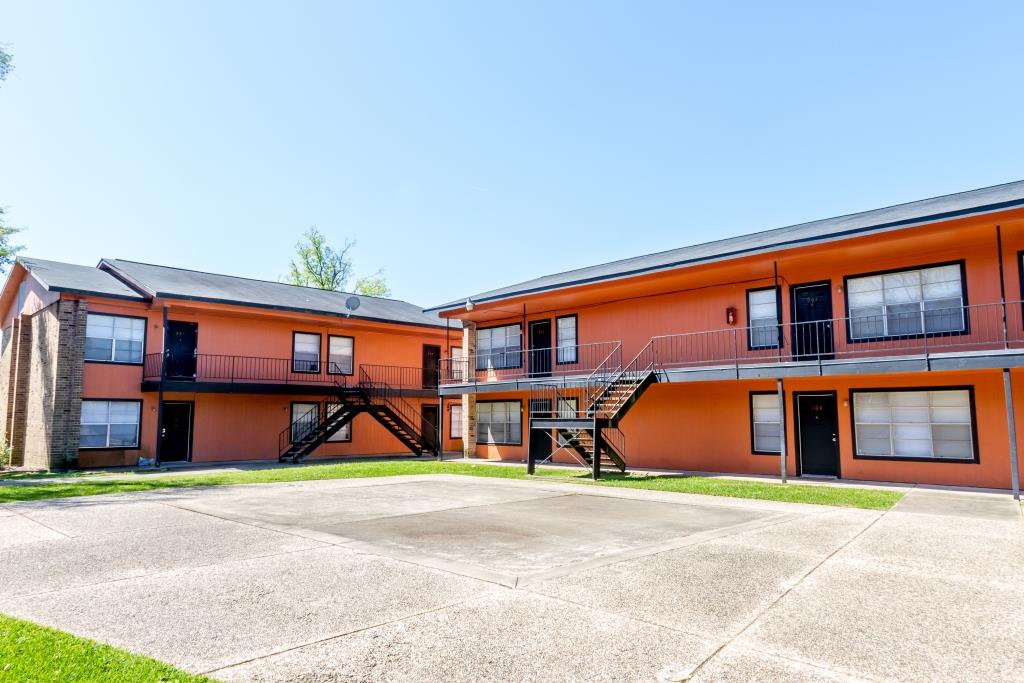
x=884 y=345
x=130 y=362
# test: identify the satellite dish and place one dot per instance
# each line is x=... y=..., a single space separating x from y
x=352 y=303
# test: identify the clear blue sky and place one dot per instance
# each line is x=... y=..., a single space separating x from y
x=467 y=146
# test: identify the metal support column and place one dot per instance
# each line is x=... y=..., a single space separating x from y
x=440 y=425
x=1011 y=425
x=160 y=393
x=782 y=426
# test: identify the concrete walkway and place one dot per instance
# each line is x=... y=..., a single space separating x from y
x=454 y=578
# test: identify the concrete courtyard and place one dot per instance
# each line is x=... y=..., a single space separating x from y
x=454 y=578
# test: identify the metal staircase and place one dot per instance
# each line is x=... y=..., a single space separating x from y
x=377 y=398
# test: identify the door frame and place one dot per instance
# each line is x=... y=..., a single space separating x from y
x=794 y=322
x=191 y=428
x=437 y=422
x=435 y=371
x=530 y=347
x=195 y=351
x=796 y=430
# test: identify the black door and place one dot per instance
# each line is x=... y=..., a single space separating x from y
x=428 y=426
x=817 y=435
x=540 y=348
x=176 y=435
x=431 y=360
x=181 y=348
x=812 y=321
x=540 y=439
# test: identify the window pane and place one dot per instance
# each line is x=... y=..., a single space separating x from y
x=98 y=348
x=944 y=315
x=456 y=419
x=128 y=351
x=903 y=319
x=942 y=282
x=93 y=436
x=865 y=292
x=95 y=412
x=99 y=326
x=124 y=435
x=340 y=355
x=866 y=323
x=306 y=353
x=124 y=412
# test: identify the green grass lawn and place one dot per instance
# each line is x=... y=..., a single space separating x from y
x=871 y=499
x=29 y=652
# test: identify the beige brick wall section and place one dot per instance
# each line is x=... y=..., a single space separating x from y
x=18 y=405
x=6 y=380
x=469 y=400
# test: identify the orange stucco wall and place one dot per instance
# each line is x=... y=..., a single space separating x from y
x=246 y=426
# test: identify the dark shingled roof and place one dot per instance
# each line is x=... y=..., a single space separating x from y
x=923 y=212
x=74 y=279
x=178 y=283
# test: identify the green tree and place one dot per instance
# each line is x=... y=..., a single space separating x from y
x=373 y=285
x=8 y=251
x=5 y=63
x=317 y=264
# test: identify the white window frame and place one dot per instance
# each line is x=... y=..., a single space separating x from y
x=763 y=324
x=312 y=367
x=567 y=351
x=940 y=412
x=107 y=423
x=501 y=433
x=137 y=327
x=347 y=364
x=503 y=344
x=455 y=421
x=883 y=310
x=770 y=401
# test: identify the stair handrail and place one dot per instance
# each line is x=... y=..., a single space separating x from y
x=392 y=399
x=646 y=358
x=591 y=381
x=284 y=439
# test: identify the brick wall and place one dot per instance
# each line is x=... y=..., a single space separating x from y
x=469 y=400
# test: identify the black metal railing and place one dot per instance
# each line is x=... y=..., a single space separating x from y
x=307 y=422
x=556 y=361
x=400 y=377
x=381 y=393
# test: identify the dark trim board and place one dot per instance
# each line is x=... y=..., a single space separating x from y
x=867 y=340
x=138 y=433
x=750 y=421
x=895 y=458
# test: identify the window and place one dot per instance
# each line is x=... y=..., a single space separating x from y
x=933 y=424
x=459 y=368
x=766 y=423
x=343 y=434
x=907 y=303
x=114 y=338
x=455 y=426
x=305 y=352
x=565 y=336
x=763 y=318
x=499 y=347
x=110 y=424
x=340 y=352
x=499 y=422
x=305 y=416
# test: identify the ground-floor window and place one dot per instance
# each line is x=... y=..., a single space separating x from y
x=305 y=416
x=936 y=424
x=499 y=422
x=110 y=424
x=765 y=422
x=343 y=434
x=455 y=424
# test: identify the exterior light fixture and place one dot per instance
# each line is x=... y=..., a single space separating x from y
x=730 y=315
x=469 y=304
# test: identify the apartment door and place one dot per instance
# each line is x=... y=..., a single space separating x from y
x=540 y=348
x=812 y=321
x=428 y=426
x=817 y=434
x=431 y=365
x=176 y=433
x=541 y=446
x=180 y=348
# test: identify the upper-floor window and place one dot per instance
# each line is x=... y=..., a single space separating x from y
x=566 y=338
x=114 y=338
x=935 y=424
x=305 y=352
x=110 y=424
x=907 y=303
x=763 y=318
x=340 y=353
x=499 y=347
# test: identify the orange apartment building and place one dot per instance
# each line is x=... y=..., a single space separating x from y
x=885 y=345
x=129 y=362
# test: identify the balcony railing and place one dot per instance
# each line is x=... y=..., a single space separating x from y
x=924 y=332
x=256 y=370
x=561 y=361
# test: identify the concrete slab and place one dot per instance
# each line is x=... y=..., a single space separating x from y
x=51 y=565
x=896 y=625
x=525 y=537
x=818 y=535
x=971 y=505
x=713 y=589
x=736 y=664
x=15 y=530
x=504 y=636
x=211 y=617
x=99 y=515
